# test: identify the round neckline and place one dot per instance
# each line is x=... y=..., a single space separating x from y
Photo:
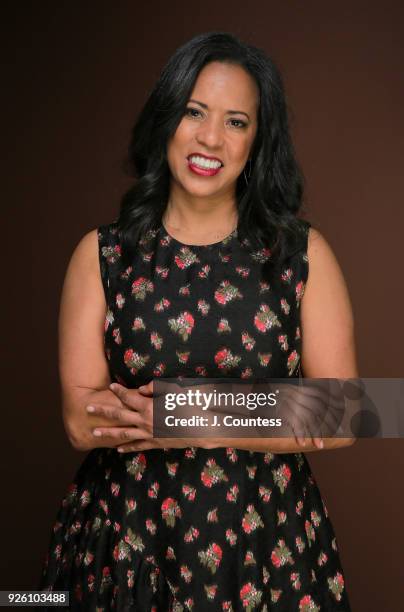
x=226 y=240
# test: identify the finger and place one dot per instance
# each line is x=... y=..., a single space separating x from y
x=120 y=391
x=318 y=442
x=313 y=401
x=122 y=433
x=146 y=389
x=300 y=440
x=305 y=414
x=303 y=434
x=316 y=432
x=130 y=397
x=136 y=446
x=122 y=415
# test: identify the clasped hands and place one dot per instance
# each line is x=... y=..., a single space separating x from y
x=135 y=416
x=303 y=409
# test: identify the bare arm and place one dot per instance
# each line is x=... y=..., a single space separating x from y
x=83 y=366
x=328 y=348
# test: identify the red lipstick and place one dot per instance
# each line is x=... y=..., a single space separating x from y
x=203 y=171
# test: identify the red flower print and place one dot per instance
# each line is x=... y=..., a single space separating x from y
x=282 y=476
x=336 y=585
x=262 y=255
x=182 y=325
x=138 y=324
x=140 y=287
x=115 y=486
x=212 y=474
x=227 y=293
x=281 y=554
x=204 y=271
x=159 y=369
x=112 y=254
x=225 y=359
x=250 y=596
x=299 y=291
x=185 y=258
x=162 y=305
x=170 y=511
x=251 y=520
x=286 y=275
x=134 y=540
x=265 y=319
x=162 y=272
x=120 y=300
x=211 y=557
x=136 y=466
x=306 y=604
x=134 y=361
x=153 y=490
x=223 y=326
x=130 y=505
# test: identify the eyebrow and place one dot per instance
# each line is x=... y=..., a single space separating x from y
x=230 y=112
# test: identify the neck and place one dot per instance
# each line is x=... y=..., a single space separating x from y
x=200 y=215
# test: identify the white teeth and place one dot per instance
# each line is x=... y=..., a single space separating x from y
x=204 y=163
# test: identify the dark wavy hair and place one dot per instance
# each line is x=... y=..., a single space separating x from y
x=268 y=204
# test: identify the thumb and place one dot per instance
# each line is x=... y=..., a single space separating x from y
x=146 y=389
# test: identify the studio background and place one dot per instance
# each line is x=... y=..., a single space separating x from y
x=74 y=78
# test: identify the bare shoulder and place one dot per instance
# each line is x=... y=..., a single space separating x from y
x=323 y=263
x=318 y=248
x=83 y=277
x=85 y=255
x=326 y=314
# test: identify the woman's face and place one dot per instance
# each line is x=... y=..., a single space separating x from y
x=213 y=141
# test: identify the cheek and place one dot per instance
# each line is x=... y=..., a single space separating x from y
x=172 y=151
x=242 y=147
x=175 y=149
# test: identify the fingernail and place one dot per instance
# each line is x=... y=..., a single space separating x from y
x=112 y=386
x=321 y=444
x=90 y=408
x=142 y=388
x=120 y=450
x=97 y=432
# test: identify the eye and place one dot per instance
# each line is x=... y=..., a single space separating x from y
x=241 y=124
x=190 y=112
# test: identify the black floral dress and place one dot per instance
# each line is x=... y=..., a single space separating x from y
x=196 y=529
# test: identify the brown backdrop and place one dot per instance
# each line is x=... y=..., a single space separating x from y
x=74 y=79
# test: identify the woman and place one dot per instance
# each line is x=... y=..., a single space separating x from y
x=204 y=273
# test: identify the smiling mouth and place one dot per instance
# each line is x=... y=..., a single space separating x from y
x=204 y=163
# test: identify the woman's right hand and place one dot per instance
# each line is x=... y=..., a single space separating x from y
x=105 y=410
x=129 y=417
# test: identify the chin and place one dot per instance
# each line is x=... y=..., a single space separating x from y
x=200 y=188
x=202 y=193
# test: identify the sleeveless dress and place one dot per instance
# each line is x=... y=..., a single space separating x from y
x=224 y=529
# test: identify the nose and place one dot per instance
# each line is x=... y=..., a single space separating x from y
x=210 y=133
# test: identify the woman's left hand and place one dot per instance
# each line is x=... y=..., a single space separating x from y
x=135 y=416
x=138 y=434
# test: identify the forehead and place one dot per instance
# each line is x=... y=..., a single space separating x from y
x=226 y=85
